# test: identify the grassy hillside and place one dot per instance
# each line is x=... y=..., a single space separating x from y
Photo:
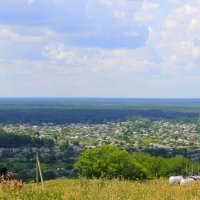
x=104 y=189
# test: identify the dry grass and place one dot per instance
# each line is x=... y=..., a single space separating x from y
x=82 y=189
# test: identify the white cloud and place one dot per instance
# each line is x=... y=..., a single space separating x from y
x=149 y=6
x=100 y=62
x=30 y=1
x=6 y=33
x=100 y=47
x=148 y=12
x=175 y=2
x=178 y=40
x=57 y=52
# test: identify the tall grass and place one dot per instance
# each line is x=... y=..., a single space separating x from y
x=82 y=189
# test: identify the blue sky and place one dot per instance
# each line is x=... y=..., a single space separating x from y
x=100 y=48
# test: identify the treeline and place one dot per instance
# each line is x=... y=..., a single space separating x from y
x=13 y=141
x=63 y=115
x=163 y=152
x=162 y=167
x=110 y=162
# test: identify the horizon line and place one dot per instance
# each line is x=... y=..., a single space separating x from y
x=50 y=97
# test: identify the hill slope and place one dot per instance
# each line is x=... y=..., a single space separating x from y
x=103 y=190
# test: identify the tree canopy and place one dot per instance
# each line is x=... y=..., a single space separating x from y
x=110 y=162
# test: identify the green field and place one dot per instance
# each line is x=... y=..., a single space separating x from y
x=103 y=190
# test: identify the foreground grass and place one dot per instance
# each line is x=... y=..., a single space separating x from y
x=81 y=189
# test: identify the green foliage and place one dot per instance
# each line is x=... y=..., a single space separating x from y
x=177 y=165
x=154 y=165
x=158 y=166
x=13 y=140
x=49 y=159
x=135 y=170
x=49 y=175
x=198 y=125
x=108 y=161
x=61 y=111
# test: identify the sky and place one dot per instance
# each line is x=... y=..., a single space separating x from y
x=100 y=48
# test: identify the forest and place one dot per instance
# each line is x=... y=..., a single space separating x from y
x=13 y=141
x=63 y=111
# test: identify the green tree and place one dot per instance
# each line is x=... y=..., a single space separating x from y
x=108 y=161
x=158 y=166
x=49 y=159
x=155 y=166
x=177 y=165
x=198 y=125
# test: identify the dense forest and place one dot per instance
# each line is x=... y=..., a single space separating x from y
x=12 y=141
x=62 y=111
x=62 y=116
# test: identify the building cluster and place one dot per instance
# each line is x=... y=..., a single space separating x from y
x=136 y=133
x=71 y=139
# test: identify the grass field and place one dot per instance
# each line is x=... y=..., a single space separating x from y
x=103 y=189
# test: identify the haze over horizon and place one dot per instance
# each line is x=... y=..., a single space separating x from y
x=100 y=48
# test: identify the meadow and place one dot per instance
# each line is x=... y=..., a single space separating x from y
x=82 y=189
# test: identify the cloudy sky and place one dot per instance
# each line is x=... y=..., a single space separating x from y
x=100 y=48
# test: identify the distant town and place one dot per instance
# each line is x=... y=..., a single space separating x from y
x=162 y=138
